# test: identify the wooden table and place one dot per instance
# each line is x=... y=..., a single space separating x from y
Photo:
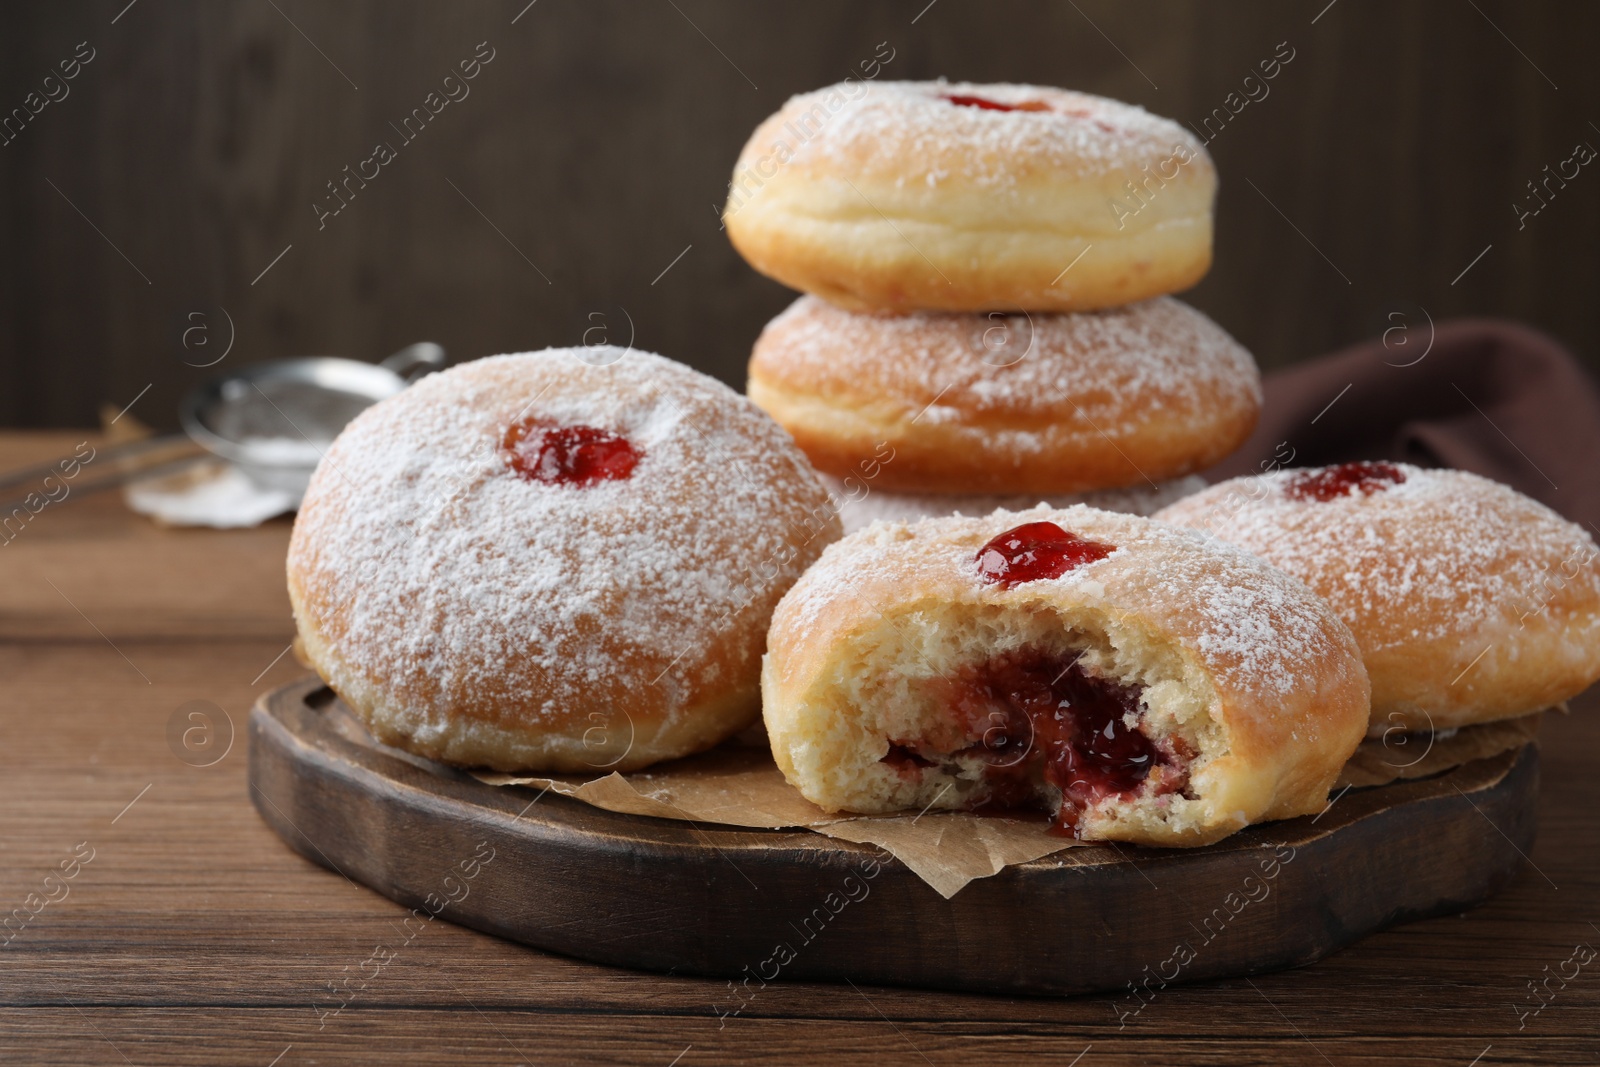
x=195 y=936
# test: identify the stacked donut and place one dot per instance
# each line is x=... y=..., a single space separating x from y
x=988 y=333
x=987 y=322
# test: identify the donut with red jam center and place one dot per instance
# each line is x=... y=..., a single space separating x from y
x=1134 y=681
x=1033 y=551
x=1007 y=183
x=537 y=562
x=568 y=455
x=1330 y=483
x=1038 y=724
x=1471 y=602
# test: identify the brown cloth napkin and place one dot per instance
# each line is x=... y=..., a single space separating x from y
x=1491 y=397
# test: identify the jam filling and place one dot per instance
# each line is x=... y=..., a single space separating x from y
x=1036 y=550
x=905 y=759
x=1032 y=716
x=568 y=455
x=995 y=105
x=1330 y=483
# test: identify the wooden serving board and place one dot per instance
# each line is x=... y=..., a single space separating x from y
x=753 y=906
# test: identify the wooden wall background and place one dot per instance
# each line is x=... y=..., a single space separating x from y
x=594 y=146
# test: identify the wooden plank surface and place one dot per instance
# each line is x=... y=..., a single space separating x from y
x=678 y=897
x=195 y=936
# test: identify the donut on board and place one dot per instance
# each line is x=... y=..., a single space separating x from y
x=555 y=561
x=1470 y=601
x=1138 y=681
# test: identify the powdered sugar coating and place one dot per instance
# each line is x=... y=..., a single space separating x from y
x=860 y=505
x=454 y=588
x=888 y=196
x=1248 y=682
x=1257 y=631
x=1445 y=558
x=907 y=132
x=1031 y=372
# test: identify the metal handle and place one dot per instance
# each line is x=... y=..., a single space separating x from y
x=113 y=466
x=413 y=361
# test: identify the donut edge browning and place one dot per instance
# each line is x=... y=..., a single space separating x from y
x=469 y=736
x=875 y=392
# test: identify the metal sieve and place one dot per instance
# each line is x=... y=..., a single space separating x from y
x=275 y=420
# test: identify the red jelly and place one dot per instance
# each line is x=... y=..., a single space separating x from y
x=1036 y=550
x=905 y=759
x=1031 y=714
x=995 y=105
x=1085 y=113
x=568 y=455
x=1330 y=483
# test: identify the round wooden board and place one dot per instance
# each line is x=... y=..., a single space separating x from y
x=752 y=905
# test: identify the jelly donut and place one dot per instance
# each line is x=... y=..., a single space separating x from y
x=860 y=505
x=1137 y=681
x=554 y=561
x=1006 y=404
x=958 y=197
x=1470 y=601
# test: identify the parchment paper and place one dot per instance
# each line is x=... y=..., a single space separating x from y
x=1399 y=756
x=738 y=784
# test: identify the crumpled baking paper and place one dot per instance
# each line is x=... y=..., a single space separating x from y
x=738 y=784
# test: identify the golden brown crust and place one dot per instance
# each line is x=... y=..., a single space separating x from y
x=481 y=618
x=1265 y=679
x=1470 y=601
x=886 y=195
x=1046 y=404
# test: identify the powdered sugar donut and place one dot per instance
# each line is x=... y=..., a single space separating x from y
x=960 y=197
x=559 y=561
x=998 y=404
x=1136 y=680
x=1470 y=601
x=860 y=505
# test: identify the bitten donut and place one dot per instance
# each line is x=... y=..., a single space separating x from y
x=1470 y=601
x=860 y=505
x=556 y=561
x=1137 y=681
x=1007 y=404
x=958 y=197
